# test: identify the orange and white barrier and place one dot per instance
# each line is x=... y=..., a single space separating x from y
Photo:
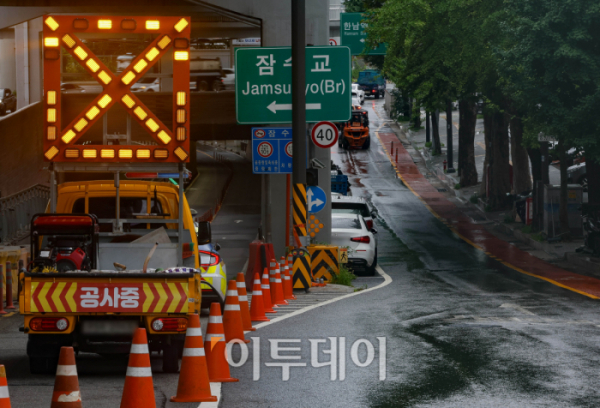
x=4 y=397
x=232 y=315
x=214 y=347
x=266 y=293
x=66 y=384
x=257 y=308
x=243 y=300
x=194 y=385
x=139 y=389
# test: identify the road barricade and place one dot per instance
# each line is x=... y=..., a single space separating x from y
x=11 y=254
x=260 y=255
x=324 y=261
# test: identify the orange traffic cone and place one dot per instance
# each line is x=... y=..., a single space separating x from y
x=279 y=299
x=257 y=308
x=194 y=385
x=66 y=385
x=4 y=398
x=139 y=389
x=266 y=293
x=243 y=299
x=288 y=290
x=214 y=347
x=232 y=316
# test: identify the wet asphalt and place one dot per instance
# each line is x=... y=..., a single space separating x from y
x=461 y=329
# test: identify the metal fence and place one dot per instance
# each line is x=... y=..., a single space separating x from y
x=16 y=211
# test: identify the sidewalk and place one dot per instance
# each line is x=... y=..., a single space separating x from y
x=561 y=254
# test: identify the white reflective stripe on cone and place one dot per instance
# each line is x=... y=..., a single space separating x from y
x=215 y=319
x=272 y=279
x=232 y=293
x=265 y=286
x=241 y=284
x=232 y=307
x=4 y=392
x=277 y=280
x=139 y=372
x=193 y=352
x=286 y=277
x=139 y=349
x=66 y=370
x=209 y=337
x=243 y=298
x=272 y=264
x=257 y=292
x=193 y=331
x=73 y=396
x=257 y=281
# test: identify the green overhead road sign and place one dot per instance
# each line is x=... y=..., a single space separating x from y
x=263 y=85
x=353 y=34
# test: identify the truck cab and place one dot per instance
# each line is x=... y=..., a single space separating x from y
x=372 y=83
x=355 y=132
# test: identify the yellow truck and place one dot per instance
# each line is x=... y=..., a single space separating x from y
x=107 y=261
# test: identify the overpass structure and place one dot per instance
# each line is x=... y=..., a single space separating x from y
x=212 y=115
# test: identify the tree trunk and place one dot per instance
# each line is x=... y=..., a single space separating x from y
x=520 y=158
x=467 y=111
x=416 y=115
x=593 y=178
x=535 y=155
x=563 y=213
x=435 y=127
x=487 y=126
x=498 y=160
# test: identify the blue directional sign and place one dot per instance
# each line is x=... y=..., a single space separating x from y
x=272 y=150
x=315 y=199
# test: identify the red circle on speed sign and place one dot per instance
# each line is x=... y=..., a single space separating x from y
x=325 y=134
x=265 y=149
x=288 y=149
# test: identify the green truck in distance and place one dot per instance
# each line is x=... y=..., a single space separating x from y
x=372 y=83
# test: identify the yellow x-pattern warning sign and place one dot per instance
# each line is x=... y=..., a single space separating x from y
x=299 y=205
x=324 y=261
x=171 y=32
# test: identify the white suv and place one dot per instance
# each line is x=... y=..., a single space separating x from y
x=353 y=205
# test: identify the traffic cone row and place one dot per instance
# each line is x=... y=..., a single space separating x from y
x=232 y=316
x=257 y=308
x=214 y=346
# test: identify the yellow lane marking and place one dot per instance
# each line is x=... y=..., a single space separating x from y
x=204 y=153
x=9 y=314
x=477 y=246
x=480 y=145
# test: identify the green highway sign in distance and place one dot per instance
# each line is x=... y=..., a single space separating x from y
x=353 y=34
x=263 y=85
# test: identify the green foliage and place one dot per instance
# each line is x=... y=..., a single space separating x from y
x=428 y=144
x=345 y=277
x=457 y=186
x=527 y=229
x=474 y=199
x=537 y=237
x=508 y=219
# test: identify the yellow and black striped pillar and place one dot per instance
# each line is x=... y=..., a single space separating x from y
x=299 y=205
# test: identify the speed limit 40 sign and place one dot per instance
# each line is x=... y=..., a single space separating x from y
x=325 y=134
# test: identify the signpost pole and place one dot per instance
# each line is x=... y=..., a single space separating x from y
x=449 y=149
x=299 y=115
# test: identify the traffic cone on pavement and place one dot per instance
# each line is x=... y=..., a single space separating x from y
x=4 y=398
x=214 y=347
x=232 y=315
x=257 y=308
x=243 y=299
x=279 y=299
x=194 y=385
x=66 y=385
x=139 y=389
x=288 y=290
x=266 y=293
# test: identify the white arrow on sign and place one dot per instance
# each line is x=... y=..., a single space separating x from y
x=311 y=203
x=274 y=106
x=362 y=40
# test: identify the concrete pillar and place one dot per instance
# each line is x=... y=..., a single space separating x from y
x=22 y=64
x=34 y=44
x=8 y=77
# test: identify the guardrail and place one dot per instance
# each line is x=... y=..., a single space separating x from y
x=17 y=209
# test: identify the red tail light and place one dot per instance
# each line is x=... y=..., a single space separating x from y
x=369 y=224
x=373 y=90
x=49 y=324
x=208 y=258
x=169 y=324
x=362 y=240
